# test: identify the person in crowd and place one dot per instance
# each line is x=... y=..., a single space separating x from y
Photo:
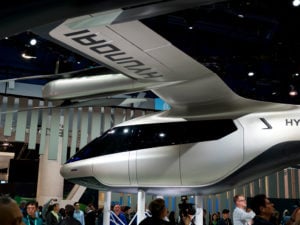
x=158 y=212
x=100 y=215
x=214 y=219
x=204 y=216
x=126 y=210
x=40 y=211
x=285 y=216
x=240 y=215
x=295 y=217
x=225 y=219
x=10 y=213
x=172 y=218
x=78 y=213
x=62 y=212
x=47 y=208
x=53 y=217
x=31 y=217
x=90 y=217
x=275 y=218
x=117 y=216
x=263 y=209
x=69 y=218
x=23 y=208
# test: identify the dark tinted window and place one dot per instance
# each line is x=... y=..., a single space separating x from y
x=135 y=137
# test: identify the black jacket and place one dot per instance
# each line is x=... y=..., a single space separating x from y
x=69 y=221
x=260 y=221
x=151 y=221
x=51 y=219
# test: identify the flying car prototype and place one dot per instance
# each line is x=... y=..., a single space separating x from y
x=209 y=141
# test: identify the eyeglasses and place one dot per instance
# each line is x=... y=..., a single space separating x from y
x=242 y=200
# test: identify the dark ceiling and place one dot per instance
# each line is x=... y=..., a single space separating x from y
x=232 y=38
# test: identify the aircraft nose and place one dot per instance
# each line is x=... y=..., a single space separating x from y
x=76 y=169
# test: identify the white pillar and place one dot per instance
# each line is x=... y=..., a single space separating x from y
x=50 y=182
x=199 y=210
x=106 y=209
x=141 y=206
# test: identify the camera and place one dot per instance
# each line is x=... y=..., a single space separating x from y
x=185 y=208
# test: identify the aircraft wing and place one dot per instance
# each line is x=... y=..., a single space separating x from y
x=19 y=16
x=146 y=61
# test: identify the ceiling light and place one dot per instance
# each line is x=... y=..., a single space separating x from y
x=250 y=74
x=29 y=53
x=33 y=41
x=293 y=92
x=5 y=144
x=28 y=56
x=296 y=3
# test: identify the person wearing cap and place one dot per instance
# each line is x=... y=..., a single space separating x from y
x=225 y=220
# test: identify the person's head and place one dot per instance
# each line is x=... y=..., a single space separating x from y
x=126 y=209
x=225 y=213
x=31 y=208
x=214 y=216
x=91 y=206
x=10 y=213
x=22 y=205
x=69 y=210
x=158 y=209
x=117 y=209
x=240 y=201
x=77 y=206
x=295 y=215
x=262 y=206
x=56 y=207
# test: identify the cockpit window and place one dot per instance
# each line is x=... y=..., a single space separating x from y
x=112 y=141
x=127 y=138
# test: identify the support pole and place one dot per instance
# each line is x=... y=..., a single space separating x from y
x=199 y=210
x=141 y=206
x=106 y=209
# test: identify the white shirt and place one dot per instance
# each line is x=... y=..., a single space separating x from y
x=241 y=217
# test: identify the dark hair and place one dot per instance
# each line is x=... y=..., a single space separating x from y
x=156 y=207
x=32 y=203
x=69 y=210
x=257 y=202
x=225 y=211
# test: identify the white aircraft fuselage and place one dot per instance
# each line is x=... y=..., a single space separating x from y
x=175 y=155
